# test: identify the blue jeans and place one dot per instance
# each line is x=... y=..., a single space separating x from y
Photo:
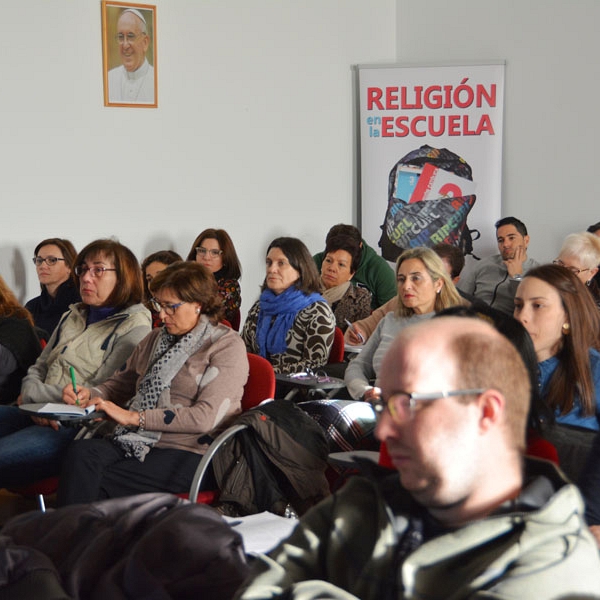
x=29 y=452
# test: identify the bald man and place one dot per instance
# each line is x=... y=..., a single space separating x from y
x=463 y=515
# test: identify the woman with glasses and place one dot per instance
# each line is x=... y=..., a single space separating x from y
x=580 y=253
x=54 y=259
x=424 y=287
x=214 y=249
x=151 y=266
x=560 y=316
x=19 y=344
x=291 y=324
x=95 y=338
x=182 y=382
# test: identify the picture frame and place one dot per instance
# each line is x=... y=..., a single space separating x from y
x=129 y=54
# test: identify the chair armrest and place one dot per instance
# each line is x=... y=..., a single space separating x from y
x=208 y=456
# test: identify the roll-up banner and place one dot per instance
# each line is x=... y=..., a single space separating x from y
x=430 y=156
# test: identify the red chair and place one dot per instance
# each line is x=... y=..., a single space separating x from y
x=260 y=386
x=336 y=354
x=236 y=318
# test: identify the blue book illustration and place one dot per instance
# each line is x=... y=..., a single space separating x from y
x=406 y=180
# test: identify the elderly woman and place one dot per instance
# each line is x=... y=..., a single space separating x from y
x=291 y=324
x=54 y=260
x=94 y=337
x=424 y=287
x=214 y=249
x=182 y=382
x=19 y=344
x=561 y=318
x=151 y=266
x=348 y=302
x=580 y=253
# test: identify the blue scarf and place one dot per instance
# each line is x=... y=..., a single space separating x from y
x=271 y=333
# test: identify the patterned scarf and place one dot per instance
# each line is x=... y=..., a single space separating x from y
x=169 y=355
x=276 y=316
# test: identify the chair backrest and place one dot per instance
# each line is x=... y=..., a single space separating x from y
x=261 y=382
x=235 y=320
x=336 y=354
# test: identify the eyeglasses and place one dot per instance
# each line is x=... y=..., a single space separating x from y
x=49 y=260
x=129 y=38
x=403 y=403
x=168 y=308
x=97 y=272
x=573 y=270
x=212 y=252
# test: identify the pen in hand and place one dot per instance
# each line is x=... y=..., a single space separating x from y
x=74 y=382
x=353 y=330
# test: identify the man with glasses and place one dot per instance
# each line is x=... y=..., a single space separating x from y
x=133 y=81
x=465 y=515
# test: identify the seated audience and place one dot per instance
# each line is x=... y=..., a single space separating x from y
x=54 y=260
x=561 y=319
x=563 y=322
x=373 y=271
x=94 y=337
x=465 y=515
x=495 y=278
x=580 y=253
x=424 y=287
x=541 y=417
x=290 y=324
x=19 y=344
x=214 y=249
x=348 y=302
x=454 y=262
x=151 y=266
x=182 y=382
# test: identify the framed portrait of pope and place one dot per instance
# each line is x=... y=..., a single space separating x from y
x=129 y=54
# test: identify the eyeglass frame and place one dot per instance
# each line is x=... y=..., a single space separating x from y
x=211 y=251
x=573 y=270
x=379 y=404
x=126 y=38
x=38 y=261
x=169 y=309
x=96 y=272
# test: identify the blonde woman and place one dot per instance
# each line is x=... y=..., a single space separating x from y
x=424 y=287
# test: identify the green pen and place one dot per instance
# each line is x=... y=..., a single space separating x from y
x=74 y=382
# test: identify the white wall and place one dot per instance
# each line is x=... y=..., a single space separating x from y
x=551 y=119
x=255 y=126
x=254 y=131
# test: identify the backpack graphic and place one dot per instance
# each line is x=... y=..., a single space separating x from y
x=430 y=193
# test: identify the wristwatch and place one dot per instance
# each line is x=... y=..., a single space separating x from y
x=517 y=277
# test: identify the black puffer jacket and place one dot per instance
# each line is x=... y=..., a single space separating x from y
x=147 y=546
x=279 y=460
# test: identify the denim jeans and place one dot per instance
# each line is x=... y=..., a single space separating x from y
x=29 y=452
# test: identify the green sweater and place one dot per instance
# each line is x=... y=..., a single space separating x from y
x=374 y=273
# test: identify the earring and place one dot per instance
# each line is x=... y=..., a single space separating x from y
x=588 y=282
x=565 y=328
x=198 y=310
